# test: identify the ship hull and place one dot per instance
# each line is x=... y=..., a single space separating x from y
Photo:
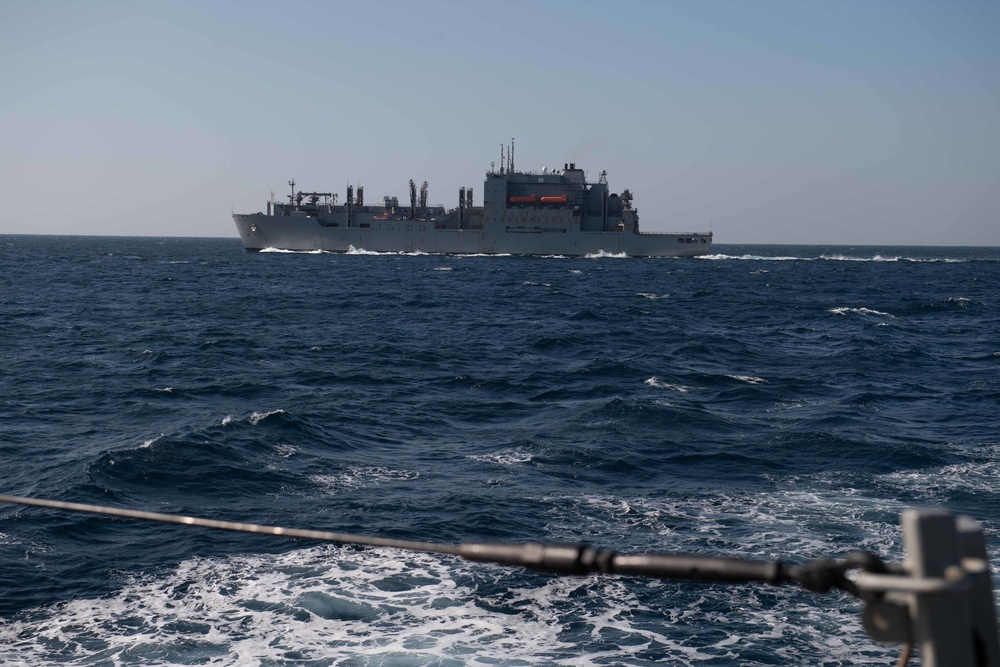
x=259 y=231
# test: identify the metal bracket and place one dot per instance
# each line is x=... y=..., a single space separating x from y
x=943 y=600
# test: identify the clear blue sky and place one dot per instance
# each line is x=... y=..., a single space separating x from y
x=854 y=122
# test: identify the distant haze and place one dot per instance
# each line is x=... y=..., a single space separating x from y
x=849 y=122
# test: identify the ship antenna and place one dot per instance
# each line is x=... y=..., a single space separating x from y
x=512 y=154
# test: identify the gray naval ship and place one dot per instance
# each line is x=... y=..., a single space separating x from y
x=552 y=212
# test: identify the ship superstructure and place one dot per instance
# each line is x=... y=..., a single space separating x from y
x=552 y=212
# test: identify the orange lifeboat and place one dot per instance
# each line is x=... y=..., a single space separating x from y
x=554 y=199
x=526 y=199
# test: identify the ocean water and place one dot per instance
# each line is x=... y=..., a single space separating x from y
x=767 y=402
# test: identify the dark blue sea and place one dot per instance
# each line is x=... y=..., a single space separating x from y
x=767 y=402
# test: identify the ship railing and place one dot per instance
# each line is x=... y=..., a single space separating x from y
x=693 y=234
x=939 y=600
